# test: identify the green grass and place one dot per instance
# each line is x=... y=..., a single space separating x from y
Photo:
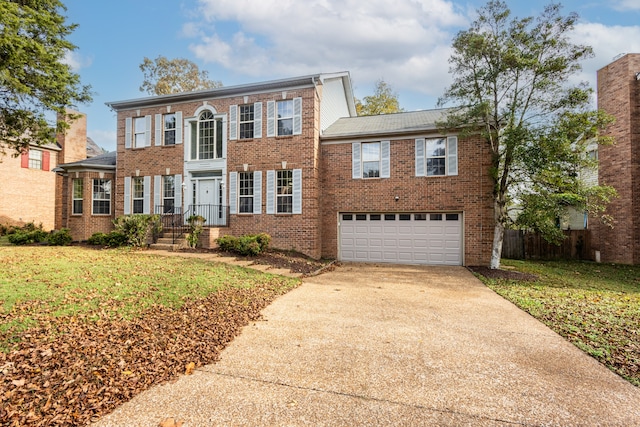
x=595 y=306
x=39 y=282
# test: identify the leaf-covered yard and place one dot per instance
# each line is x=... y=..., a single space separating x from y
x=595 y=306
x=84 y=330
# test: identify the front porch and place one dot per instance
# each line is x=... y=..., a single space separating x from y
x=175 y=223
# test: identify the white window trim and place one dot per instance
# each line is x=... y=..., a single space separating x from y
x=271 y=185
x=73 y=195
x=451 y=157
x=385 y=159
x=93 y=199
x=272 y=120
x=189 y=134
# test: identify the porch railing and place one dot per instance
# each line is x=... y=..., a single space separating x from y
x=214 y=215
x=172 y=218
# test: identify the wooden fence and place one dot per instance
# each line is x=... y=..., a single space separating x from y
x=524 y=245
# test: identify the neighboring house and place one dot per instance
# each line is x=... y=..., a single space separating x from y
x=290 y=158
x=619 y=164
x=576 y=219
x=28 y=190
x=29 y=186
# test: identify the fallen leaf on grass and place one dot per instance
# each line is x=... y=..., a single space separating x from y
x=190 y=368
x=171 y=422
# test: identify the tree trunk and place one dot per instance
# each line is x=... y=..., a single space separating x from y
x=496 y=251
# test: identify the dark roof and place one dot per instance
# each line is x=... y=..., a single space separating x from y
x=106 y=161
x=386 y=124
x=225 y=91
x=93 y=149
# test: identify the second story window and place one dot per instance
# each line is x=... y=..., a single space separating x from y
x=169 y=129
x=139 y=132
x=246 y=121
x=371 y=160
x=206 y=137
x=285 y=117
x=35 y=159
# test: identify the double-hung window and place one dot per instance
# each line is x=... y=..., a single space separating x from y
x=35 y=159
x=77 y=196
x=137 y=192
x=246 y=121
x=371 y=159
x=245 y=196
x=169 y=126
x=436 y=156
x=139 y=132
x=285 y=117
x=168 y=193
x=206 y=137
x=284 y=191
x=101 y=197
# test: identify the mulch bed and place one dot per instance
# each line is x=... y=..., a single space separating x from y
x=502 y=274
x=71 y=372
x=288 y=260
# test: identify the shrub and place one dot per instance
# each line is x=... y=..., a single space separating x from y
x=249 y=244
x=21 y=237
x=137 y=227
x=264 y=240
x=227 y=243
x=61 y=237
x=196 y=223
x=113 y=239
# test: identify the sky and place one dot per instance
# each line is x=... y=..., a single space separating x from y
x=406 y=43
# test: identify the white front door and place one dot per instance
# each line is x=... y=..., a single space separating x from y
x=209 y=201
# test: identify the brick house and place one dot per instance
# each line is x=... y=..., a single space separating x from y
x=619 y=164
x=29 y=185
x=290 y=158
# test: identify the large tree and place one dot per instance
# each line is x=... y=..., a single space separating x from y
x=512 y=84
x=34 y=79
x=163 y=76
x=383 y=101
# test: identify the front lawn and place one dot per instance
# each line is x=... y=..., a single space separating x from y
x=594 y=306
x=83 y=330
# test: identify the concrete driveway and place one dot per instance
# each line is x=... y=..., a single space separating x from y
x=381 y=345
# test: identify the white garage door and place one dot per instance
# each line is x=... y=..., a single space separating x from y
x=411 y=238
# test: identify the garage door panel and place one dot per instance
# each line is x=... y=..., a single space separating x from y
x=402 y=238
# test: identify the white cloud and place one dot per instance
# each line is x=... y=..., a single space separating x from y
x=626 y=5
x=607 y=42
x=104 y=138
x=76 y=61
x=407 y=43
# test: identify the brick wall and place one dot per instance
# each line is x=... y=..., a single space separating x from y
x=618 y=94
x=28 y=195
x=469 y=192
x=83 y=226
x=299 y=232
x=73 y=143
